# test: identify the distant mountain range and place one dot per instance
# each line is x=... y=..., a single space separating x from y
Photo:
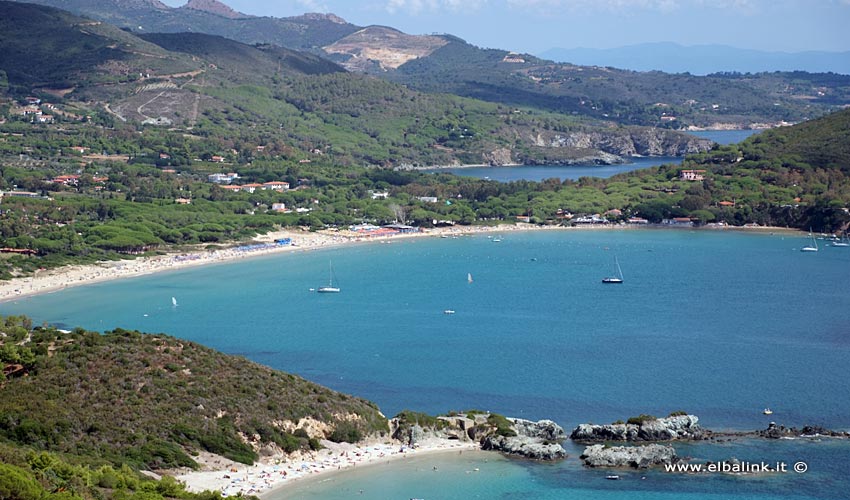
x=445 y=64
x=307 y=32
x=702 y=59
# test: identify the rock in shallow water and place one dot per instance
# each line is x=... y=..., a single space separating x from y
x=633 y=457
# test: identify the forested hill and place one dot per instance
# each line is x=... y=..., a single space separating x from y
x=447 y=64
x=240 y=96
x=624 y=96
x=791 y=176
x=152 y=401
x=824 y=142
x=244 y=62
x=309 y=31
x=50 y=48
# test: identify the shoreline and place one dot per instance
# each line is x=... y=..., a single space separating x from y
x=53 y=280
x=49 y=281
x=272 y=474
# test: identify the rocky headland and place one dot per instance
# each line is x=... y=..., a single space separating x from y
x=534 y=440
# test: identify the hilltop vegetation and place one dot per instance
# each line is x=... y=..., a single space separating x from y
x=306 y=32
x=54 y=49
x=234 y=93
x=626 y=97
x=152 y=401
x=500 y=76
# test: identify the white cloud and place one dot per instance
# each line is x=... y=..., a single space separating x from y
x=419 y=6
x=621 y=5
x=314 y=6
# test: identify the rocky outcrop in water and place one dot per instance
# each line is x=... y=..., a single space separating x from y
x=633 y=457
x=680 y=427
x=536 y=440
x=774 y=431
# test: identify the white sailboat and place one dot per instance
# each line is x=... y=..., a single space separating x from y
x=813 y=247
x=173 y=302
x=331 y=288
x=615 y=279
x=469 y=277
x=841 y=242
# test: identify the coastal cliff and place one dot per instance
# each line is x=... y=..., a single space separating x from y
x=595 y=147
x=633 y=141
x=644 y=428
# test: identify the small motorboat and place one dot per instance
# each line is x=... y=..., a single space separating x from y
x=767 y=411
x=612 y=477
x=449 y=311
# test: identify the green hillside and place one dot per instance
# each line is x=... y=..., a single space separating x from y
x=235 y=94
x=152 y=401
x=46 y=47
x=240 y=60
x=624 y=96
x=307 y=32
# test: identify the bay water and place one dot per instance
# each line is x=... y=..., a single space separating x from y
x=574 y=172
x=720 y=324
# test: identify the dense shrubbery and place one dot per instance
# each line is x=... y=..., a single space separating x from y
x=151 y=400
x=641 y=419
x=502 y=425
x=29 y=475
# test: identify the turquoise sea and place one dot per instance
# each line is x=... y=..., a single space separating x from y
x=718 y=323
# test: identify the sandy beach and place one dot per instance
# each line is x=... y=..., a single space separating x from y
x=273 y=473
x=46 y=281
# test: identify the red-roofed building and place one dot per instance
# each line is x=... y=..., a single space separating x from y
x=67 y=180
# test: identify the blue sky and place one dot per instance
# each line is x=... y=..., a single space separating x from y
x=536 y=25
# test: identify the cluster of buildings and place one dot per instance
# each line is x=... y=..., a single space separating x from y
x=250 y=188
x=229 y=177
x=40 y=112
x=74 y=180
